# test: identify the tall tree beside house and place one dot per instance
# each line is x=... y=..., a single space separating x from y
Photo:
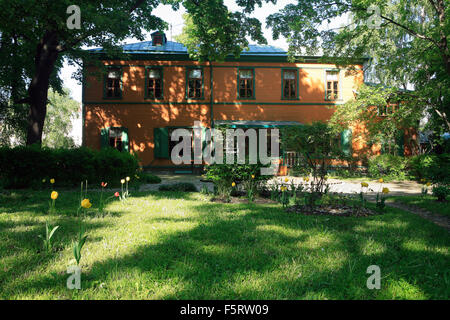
x=408 y=41
x=40 y=33
x=210 y=34
x=384 y=113
x=61 y=111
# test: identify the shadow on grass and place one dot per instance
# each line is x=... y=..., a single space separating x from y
x=261 y=252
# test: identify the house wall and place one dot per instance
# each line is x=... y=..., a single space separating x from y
x=141 y=115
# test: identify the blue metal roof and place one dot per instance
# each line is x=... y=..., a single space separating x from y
x=171 y=47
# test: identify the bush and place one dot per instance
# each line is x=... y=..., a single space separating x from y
x=223 y=176
x=434 y=168
x=181 y=186
x=441 y=192
x=149 y=178
x=24 y=167
x=387 y=166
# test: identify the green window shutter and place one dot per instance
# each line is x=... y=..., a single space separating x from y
x=125 y=141
x=400 y=143
x=104 y=133
x=161 y=138
x=346 y=141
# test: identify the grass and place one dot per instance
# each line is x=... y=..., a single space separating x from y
x=426 y=202
x=172 y=245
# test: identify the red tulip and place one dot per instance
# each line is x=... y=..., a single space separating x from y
x=104 y=184
x=117 y=194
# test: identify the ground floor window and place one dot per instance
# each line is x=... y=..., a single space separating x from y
x=115 y=137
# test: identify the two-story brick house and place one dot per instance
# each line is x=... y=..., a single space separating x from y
x=160 y=88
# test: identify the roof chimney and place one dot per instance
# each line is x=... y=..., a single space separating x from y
x=158 y=38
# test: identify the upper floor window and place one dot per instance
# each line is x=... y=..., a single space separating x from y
x=113 y=87
x=289 y=84
x=195 y=84
x=332 y=85
x=154 y=83
x=246 y=84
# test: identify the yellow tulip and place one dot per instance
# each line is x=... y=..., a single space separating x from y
x=385 y=190
x=380 y=180
x=52 y=181
x=128 y=178
x=253 y=176
x=54 y=195
x=122 y=181
x=86 y=204
x=233 y=184
x=283 y=189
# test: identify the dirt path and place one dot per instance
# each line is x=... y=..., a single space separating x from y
x=438 y=219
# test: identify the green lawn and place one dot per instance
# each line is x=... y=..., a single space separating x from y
x=427 y=202
x=181 y=246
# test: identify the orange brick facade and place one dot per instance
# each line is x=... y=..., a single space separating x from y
x=141 y=115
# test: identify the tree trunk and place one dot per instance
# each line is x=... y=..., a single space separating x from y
x=46 y=55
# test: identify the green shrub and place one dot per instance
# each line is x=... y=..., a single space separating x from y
x=419 y=165
x=223 y=176
x=441 y=192
x=181 y=186
x=24 y=167
x=434 y=168
x=387 y=166
x=149 y=178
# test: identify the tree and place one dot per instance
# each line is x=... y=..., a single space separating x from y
x=61 y=110
x=315 y=145
x=407 y=40
x=383 y=112
x=41 y=34
x=211 y=32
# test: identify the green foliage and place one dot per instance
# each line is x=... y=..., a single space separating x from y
x=143 y=178
x=223 y=176
x=441 y=192
x=61 y=109
x=365 y=111
x=146 y=177
x=315 y=148
x=380 y=202
x=47 y=240
x=433 y=168
x=23 y=167
x=408 y=44
x=181 y=186
x=78 y=245
x=387 y=166
x=211 y=31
